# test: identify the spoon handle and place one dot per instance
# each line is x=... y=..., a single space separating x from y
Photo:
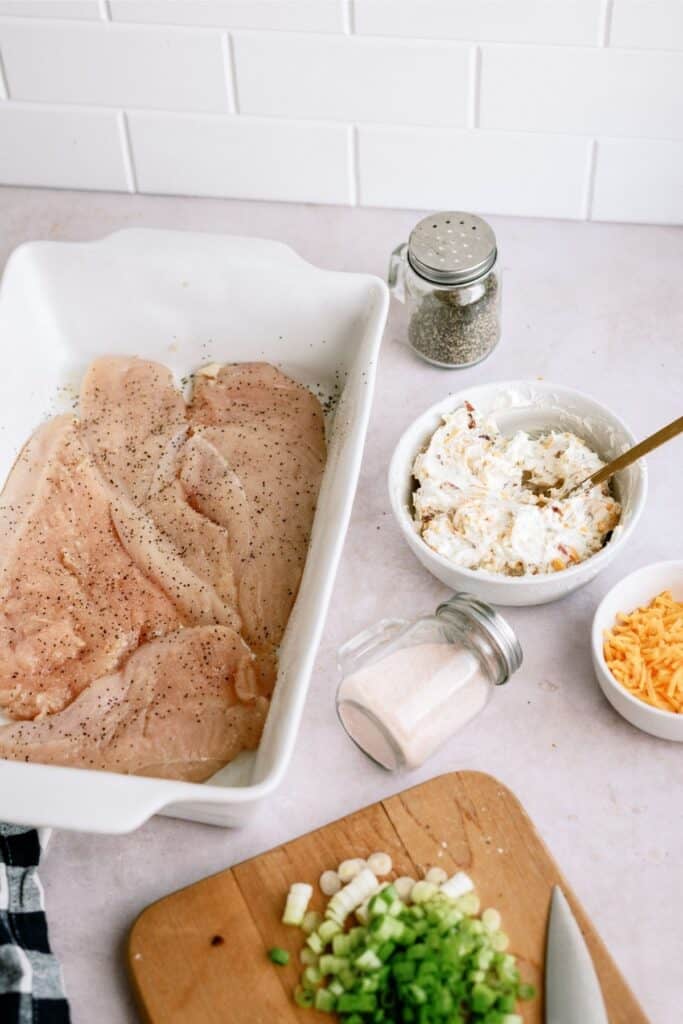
x=637 y=452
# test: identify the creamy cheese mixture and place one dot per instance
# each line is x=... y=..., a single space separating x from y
x=475 y=503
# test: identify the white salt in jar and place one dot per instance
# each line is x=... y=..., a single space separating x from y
x=408 y=686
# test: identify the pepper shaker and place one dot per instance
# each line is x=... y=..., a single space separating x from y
x=448 y=275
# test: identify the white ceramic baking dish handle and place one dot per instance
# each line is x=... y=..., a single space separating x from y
x=36 y=794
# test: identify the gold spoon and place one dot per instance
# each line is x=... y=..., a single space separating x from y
x=627 y=458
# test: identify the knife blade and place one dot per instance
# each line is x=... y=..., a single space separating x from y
x=572 y=989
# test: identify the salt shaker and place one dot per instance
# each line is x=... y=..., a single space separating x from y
x=408 y=686
x=448 y=275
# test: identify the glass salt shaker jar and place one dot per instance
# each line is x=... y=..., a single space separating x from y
x=449 y=277
x=408 y=686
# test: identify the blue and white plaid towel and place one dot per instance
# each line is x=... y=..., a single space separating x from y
x=31 y=988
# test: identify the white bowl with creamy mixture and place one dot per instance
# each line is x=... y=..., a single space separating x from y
x=462 y=484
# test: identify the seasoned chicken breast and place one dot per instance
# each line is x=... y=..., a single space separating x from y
x=73 y=603
x=134 y=420
x=270 y=432
x=152 y=553
x=180 y=708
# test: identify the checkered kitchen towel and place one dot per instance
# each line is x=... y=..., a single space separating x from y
x=31 y=989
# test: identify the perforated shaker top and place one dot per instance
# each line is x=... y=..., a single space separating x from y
x=452 y=248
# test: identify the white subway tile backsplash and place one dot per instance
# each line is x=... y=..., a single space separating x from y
x=352 y=79
x=639 y=180
x=517 y=21
x=496 y=172
x=60 y=147
x=582 y=91
x=650 y=24
x=85 y=10
x=115 y=66
x=567 y=108
x=241 y=157
x=292 y=15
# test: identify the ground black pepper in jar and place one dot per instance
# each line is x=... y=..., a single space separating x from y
x=448 y=275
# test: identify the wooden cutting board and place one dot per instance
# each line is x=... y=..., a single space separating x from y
x=199 y=956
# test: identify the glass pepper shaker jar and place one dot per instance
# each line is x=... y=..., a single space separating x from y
x=449 y=278
x=408 y=686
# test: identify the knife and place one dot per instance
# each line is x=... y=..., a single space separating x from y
x=572 y=989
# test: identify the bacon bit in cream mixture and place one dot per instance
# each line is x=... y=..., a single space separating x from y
x=476 y=505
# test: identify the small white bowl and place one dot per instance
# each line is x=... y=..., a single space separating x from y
x=525 y=405
x=632 y=592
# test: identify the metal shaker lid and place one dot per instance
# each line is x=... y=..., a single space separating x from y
x=452 y=248
x=463 y=608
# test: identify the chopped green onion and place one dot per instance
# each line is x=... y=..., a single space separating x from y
x=348 y=869
x=416 y=952
x=380 y=863
x=303 y=997
x=297 y=903
x=363 y=913
x=359 y=889
x=315 y=943
x=469 y=904
x=331 y=964
x=312 y=921
x=324 y=1000
x=404 y=887
x=328 y=929
x=342 y=944
x=311 y=977
x=490 y=919
x=330 y=883
x=368 y=961
x=364 y=1002
x=423 y=891
x=278 y=955
x=458 y=885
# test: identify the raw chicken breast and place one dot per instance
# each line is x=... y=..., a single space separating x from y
x=270 y=432
x=73 y=604
x=181 y=707
x=134 y=420
x=140 y=542
x=25 y=475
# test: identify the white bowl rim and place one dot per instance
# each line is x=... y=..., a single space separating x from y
x=596 y=641
x=485 y=574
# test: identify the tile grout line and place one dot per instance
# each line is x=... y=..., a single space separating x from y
x=4 y=84
x=475 y=87
x=228 y=51
x=354 y=166
x=606 y=23
x=589 y=190
x=127 y=151
x=348 y=17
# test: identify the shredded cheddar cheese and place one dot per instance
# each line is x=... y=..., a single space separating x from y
x=644 y=652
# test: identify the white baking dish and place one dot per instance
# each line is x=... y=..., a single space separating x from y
x=186 y=299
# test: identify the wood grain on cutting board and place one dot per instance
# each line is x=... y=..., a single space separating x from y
x=199 y=955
